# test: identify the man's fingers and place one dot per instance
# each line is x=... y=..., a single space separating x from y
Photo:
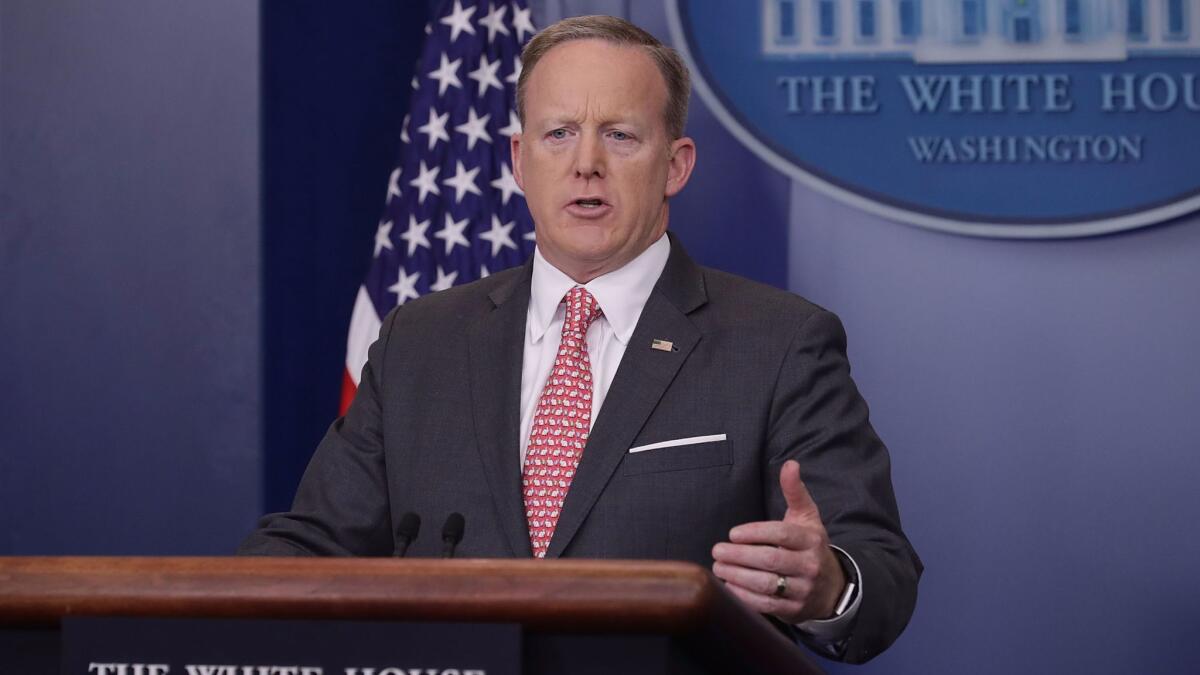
x=769 y=559
x=763 y=583
x=800 y=504
x=784 y=608
x=776 y=533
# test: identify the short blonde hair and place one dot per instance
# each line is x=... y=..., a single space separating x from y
x=618 y=32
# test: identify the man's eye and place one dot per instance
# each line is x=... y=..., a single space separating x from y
x=558 y=134
x=620 y=136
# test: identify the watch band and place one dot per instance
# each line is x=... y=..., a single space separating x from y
x=847 y=597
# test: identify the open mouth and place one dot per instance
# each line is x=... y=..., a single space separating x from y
x=589 y=208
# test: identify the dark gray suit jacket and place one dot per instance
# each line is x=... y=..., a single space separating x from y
x=434 y=429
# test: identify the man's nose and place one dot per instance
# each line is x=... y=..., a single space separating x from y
x=589 y=158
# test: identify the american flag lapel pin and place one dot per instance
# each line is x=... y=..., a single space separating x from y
x=663 y=345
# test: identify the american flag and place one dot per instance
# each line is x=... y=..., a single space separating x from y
x=453 y=212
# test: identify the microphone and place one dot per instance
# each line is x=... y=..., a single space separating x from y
x=452 y=533
x=406 y=532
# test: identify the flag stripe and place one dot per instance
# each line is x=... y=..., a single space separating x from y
x=364 y=328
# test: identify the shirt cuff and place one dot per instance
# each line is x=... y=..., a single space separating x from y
x=835 y=630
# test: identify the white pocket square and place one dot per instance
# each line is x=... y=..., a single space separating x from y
x=690 y=440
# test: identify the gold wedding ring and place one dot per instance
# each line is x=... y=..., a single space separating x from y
x=780 y=586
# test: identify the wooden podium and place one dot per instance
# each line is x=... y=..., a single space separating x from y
x=577 y=616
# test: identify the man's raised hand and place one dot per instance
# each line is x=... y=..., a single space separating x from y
x=783 y=567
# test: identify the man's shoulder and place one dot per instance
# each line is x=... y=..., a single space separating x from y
x=744 y=299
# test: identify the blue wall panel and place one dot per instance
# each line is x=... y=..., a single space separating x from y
x=129 y=263
x=335 y=91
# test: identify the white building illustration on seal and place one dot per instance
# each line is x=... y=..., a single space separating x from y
x=966 y=31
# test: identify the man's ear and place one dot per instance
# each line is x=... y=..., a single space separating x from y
x=681 y=162
x=515 y=145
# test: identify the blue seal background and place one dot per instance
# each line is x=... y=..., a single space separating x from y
x=868 y=154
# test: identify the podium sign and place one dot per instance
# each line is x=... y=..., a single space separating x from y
x=154 y=646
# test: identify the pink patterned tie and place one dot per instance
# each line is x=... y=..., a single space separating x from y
x=560 y=424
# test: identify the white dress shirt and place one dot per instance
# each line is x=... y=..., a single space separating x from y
x=622 y=294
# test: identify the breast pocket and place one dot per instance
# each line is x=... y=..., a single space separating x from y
x=678 y=455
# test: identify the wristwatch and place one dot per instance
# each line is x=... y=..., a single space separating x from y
x=852 y=583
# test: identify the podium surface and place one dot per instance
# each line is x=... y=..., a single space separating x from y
x=576 y=615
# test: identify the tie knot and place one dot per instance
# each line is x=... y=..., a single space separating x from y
x=582 y=309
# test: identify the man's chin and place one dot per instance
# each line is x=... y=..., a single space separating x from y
x=584 y=261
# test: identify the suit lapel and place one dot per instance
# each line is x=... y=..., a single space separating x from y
x=496 y=352
x=641 y=380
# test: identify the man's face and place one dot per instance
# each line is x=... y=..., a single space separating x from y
x=595 y=159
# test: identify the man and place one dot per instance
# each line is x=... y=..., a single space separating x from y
x=613 y=399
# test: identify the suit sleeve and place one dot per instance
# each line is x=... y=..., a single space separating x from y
x=341 y=506
x=819 y=419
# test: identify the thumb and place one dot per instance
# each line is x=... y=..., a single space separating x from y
x=800 y=504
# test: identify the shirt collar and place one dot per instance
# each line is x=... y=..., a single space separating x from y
x=622 y=293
